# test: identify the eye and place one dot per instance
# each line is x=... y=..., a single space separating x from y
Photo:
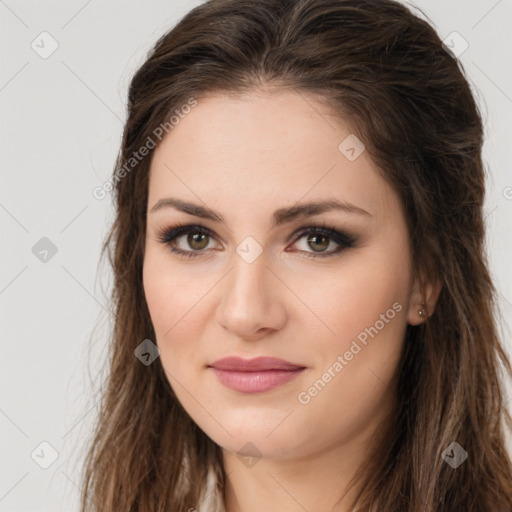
x=195 y=236
x=319 y=238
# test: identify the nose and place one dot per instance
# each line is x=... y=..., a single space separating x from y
x=252 y=302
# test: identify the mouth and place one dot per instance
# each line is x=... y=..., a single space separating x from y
x=255 y=375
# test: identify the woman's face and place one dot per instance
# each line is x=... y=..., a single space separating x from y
x=258 y=284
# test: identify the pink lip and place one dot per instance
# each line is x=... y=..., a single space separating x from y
x=254 y=375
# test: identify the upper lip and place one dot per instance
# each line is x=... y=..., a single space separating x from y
x=257 y=364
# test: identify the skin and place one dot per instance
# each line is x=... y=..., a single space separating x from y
x=244 y=157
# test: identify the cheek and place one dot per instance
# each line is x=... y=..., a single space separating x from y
x=344 y=299
x=351 y=384
x=177 y=309
x=171 y=297
x=158 y=290
x=363 y=313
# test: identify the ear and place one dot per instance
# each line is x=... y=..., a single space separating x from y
x=424 y=297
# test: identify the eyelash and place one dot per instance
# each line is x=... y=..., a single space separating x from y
x=167 y=235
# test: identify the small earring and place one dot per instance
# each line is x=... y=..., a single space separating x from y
x=421 y=312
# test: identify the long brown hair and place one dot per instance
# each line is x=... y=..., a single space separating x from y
x=386 y=71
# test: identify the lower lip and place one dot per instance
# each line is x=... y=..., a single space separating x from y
x=255 y=382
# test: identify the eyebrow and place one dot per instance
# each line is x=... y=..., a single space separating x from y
x=280 y=216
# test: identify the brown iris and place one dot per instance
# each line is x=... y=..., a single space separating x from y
x=199 y=238
x=316 y=237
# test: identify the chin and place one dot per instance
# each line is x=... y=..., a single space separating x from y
x=253 y=441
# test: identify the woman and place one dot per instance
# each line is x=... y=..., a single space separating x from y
x=304 y=313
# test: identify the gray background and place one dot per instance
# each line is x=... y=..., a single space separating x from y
x=61 y=120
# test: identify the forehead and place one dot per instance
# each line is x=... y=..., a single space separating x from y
x=262 y=148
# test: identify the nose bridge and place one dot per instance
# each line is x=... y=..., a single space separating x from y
x=248 y=304
x=249 y=274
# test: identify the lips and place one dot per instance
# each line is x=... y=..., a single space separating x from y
x=257 y=364
x=254 y=375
